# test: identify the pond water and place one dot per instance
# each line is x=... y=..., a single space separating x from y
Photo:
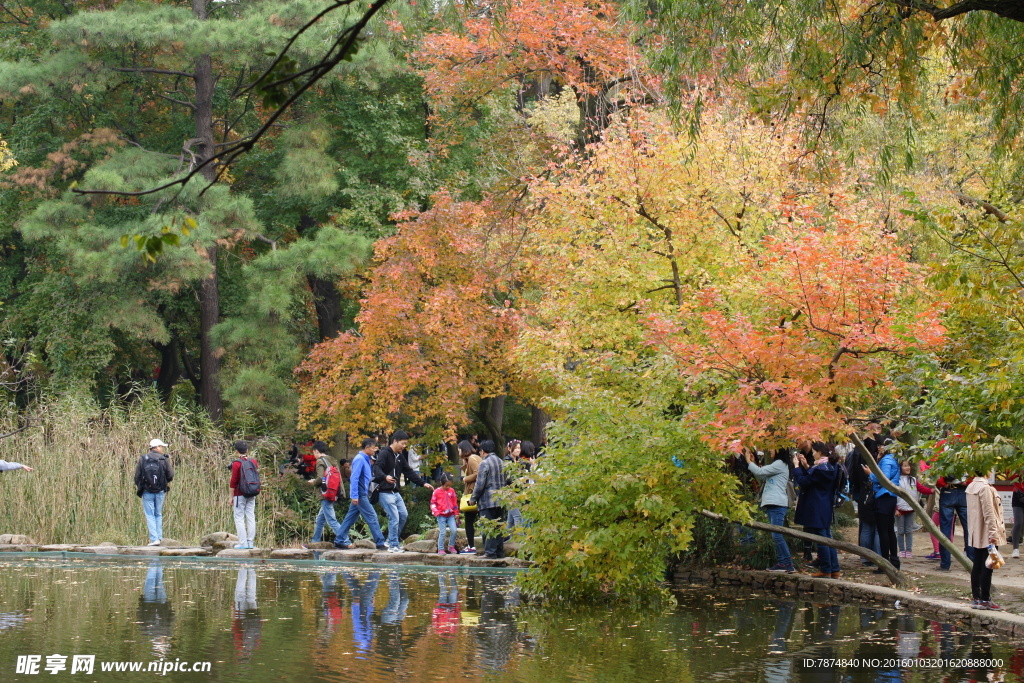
x=308 y=622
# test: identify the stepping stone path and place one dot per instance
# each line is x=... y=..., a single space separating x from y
x=222 y=544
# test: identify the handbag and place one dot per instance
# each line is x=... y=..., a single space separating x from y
x=374 y=492
x=464 y=504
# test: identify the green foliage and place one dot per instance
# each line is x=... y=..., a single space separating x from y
x=609 y=506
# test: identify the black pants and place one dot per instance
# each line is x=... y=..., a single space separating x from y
x=885 y=519
x=471 y=527
x=981 y=576
x=494 y=546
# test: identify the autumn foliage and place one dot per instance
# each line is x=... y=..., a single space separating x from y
x=793 y=347
x=433 y=333
x=584 y=46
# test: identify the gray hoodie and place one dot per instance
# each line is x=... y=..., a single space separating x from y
x=776 y=478
x=5 y=466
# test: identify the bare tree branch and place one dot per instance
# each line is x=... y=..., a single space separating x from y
x=1008 y=9
x=146 y=70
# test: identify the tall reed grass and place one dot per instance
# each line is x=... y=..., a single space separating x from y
x=83 y=491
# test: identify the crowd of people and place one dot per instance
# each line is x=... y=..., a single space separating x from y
x=375 y=477
x=816 y=478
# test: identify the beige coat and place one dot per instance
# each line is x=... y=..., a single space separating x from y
x=984 y=514
x=469 y=470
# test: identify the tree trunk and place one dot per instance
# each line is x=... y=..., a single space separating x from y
x=492 y=413
x=890 y=571
x=538 y=425
x=170 y=368
x=209 y=293
x=326 y=297
x=925 y=519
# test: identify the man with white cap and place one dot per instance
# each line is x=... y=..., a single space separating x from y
x=153 y=477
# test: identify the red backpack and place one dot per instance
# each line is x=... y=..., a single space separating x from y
x=331 y=485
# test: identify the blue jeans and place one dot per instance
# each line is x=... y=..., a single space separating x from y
x=153 y=590
x=777 y=516
x=869 y=539
x=394 y=508
x=326 y=516
x=829 y=556
x=446 y=524
x=153 y=508
x=369 y=516
x=952 y=502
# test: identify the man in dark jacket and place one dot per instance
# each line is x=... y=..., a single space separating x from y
x=490 y=478
x=153 y=476
x=390 y=466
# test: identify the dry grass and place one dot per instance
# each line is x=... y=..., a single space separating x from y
x=83 y=492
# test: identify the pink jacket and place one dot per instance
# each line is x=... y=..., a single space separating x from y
x=444 y=502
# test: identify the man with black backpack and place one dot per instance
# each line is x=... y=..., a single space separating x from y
x=245 y=486
x=328 y=479
x=153 y=476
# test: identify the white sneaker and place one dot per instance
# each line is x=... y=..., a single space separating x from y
x=154 y=543
x=396 y=549
x=1016 y=553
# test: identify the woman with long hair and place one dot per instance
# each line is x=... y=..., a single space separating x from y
x=470 y=465
x=814 y=508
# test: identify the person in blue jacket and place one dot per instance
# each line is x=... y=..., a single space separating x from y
x=359 y=490
x=885 y=504
x=815 y=502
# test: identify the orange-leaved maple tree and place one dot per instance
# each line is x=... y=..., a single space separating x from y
x=516 y=44
x=434 y=331
x=795 y=344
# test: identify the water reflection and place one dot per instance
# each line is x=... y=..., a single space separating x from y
x=362 y=593
x=155 y=614
x=447 y=614
x=332 y=624
x=246 y=625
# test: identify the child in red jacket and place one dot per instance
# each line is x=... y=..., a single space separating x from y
x=444 y=505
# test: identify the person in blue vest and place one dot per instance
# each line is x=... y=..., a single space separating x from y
x=815 y=504
x=359 y=490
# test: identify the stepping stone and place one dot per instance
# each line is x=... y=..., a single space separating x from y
x=184 y=552
x=144 y=550
x=208 y=540
x=171 y=543
x=475 y=561
x=101 y=549
x=365 y=543
x=443 y=560
x=244 y=552
x=16 y=539
x=64 y=547
x=320 y=545
x=397 y=558
x=357 y=555
x=291 y=554
x=16 y=548
x=422 y=546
